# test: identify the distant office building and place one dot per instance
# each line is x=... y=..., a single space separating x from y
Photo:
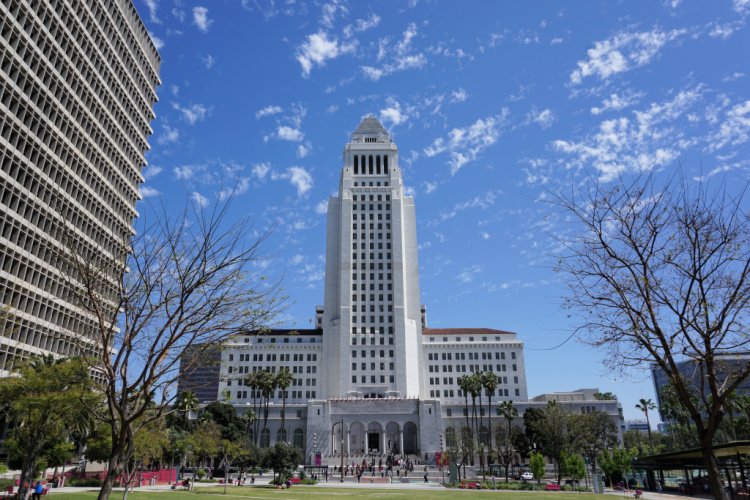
x=726 y=365
x=636 y=425
x=77 y=87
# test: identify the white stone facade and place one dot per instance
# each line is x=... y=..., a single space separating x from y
x=371 y=378
x=77 y=87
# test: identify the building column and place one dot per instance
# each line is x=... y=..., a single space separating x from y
x=383 y=440
x=348 y=441
x=401 y=440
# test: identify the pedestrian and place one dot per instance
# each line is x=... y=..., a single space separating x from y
x=425 y=477
x=38 y=490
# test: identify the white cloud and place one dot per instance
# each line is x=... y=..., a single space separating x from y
x=741 y=6
x=199 y=199
x=545 y=118
x=402 y=58
x=169 y=135
x=725 y=30
x=186 y=172
x=556 y=41
x=268 y=111
x=734 y=130
x=303 y=150
x=241 y=187
x=734 y=76
x=208 y=61
x=485 y=235
x=193 y=113
x=148 y=192
x=468 y=274
x=466 y=144
x=654 y=138
x=260 y=170
x=361 y=25
x=330 y=10
x=322 y=207
x=393 y=114
x=179 y=14
x=158 y=42
x=622 y=52
x=201 y=20
x=616 y=102
x=459 y=95
x=300 y=179
x=151 y=171
x=481 y=202
x=430 y=187
x=319 y=48
x=289 y=134
x=152 y=6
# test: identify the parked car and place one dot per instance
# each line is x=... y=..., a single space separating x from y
x=527 y=476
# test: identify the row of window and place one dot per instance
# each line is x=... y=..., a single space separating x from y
x=373 y=379
x=372 y=339
x=448 y=393
x=448 y=356
x=275 y=357
x=363 y=366
x=370 y=164
x=449 y=381
x=472 y=368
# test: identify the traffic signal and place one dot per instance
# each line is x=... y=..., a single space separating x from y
x=315 y=439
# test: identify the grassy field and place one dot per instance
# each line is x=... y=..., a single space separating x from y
x=321 y=493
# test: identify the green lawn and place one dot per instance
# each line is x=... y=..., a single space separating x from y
x=307 y=493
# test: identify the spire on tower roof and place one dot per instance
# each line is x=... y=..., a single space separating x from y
x=371 y=128
x=370 y=125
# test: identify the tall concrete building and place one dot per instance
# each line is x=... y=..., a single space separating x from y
x=372 y=379
x=77 y=87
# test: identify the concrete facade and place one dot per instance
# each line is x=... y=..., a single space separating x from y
x=77 y=87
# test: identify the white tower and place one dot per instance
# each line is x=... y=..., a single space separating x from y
x=372 y=326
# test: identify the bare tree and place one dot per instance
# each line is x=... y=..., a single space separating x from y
x=184 y=282
x=660 y=273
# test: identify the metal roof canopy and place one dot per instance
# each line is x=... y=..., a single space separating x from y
x=726 y=454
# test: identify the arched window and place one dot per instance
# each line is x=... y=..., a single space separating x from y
x=299 y=438
x=385 y=164
x=356 y=164
x=281 y=436
x=265 y=438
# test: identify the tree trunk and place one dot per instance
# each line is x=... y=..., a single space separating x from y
x=712 y=468
x=108 y=483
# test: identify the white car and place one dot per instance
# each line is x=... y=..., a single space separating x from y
x=527 y=476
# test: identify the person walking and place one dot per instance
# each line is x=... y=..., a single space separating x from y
x=425 y=477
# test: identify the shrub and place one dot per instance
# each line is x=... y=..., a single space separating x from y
x=200 y=474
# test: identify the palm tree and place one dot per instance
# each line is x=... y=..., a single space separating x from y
x=463 y=384
x=475 y=389
x=645 y=405
x=509 y=412
x=283 y=380
x=267 y=386
x=253 y=381
x=489 y=382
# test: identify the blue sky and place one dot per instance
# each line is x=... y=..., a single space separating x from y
x=494 y=106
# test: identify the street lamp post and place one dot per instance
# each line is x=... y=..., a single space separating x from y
x=341 y=450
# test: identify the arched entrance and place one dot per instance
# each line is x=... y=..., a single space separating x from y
x=411 y=441
x=338 y=436
x=374 y=437
x=392 y=438
x=357 y=439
